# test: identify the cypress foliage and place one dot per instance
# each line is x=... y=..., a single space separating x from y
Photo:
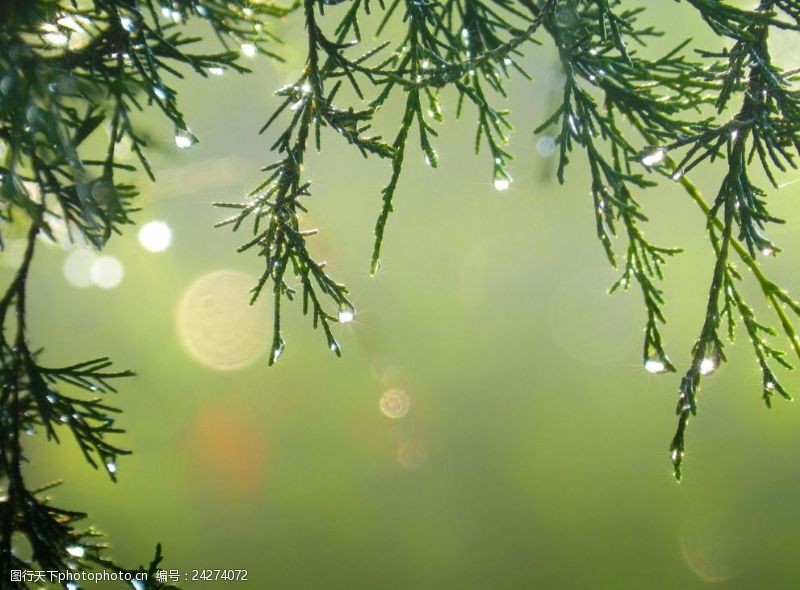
x=75 y=74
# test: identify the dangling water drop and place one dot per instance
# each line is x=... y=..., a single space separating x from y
x=655 y=366
x=111 y=466
x=249 y=50
x=502 y=183
x=184 y=139
x=346 y=314
x=127 y=23
x=707 y=366
x=654 y=158
x=276 y=354
x=76 y=550
x=767 y=251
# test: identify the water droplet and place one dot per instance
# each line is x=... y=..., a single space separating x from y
x=249 y=50
x=655 y=366
x=654 y=158
x=127 y=23
x=677 y=175
x=335 y=346
x=51 y=398
x=707 y=366
x=111 y=466
x=502 y=183
x=346 y=315
x=216 y=70
x=767 y=251
x=601 y=207
x=155 y=236
x=675 y=455
x=76 y=550
x=305 y=88
x=184 y=139
x=160 y=92
x=54 y=36
x=573 y=124
x=769 y=386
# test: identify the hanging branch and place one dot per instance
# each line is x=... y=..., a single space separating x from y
x=767 y=125
x=72 y=71
x=66 y=69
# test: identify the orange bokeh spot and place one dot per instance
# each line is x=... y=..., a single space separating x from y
x=229 y=449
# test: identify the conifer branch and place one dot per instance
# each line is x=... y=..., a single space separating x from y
x=70 y=71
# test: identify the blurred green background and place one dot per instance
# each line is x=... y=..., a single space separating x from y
x=532 y=452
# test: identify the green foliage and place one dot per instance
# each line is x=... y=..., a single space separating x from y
x=74 y=77
x=629 y=113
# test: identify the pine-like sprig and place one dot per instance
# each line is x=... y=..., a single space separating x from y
x=75 y=75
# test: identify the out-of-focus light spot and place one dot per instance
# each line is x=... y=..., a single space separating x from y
x=706 y=551
x=216 y=323
x=411 y=454
x=155 y=236
x=77 y=268
x=106 y=272
x=546 y=146
x=395 y=403
x=229 y=449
